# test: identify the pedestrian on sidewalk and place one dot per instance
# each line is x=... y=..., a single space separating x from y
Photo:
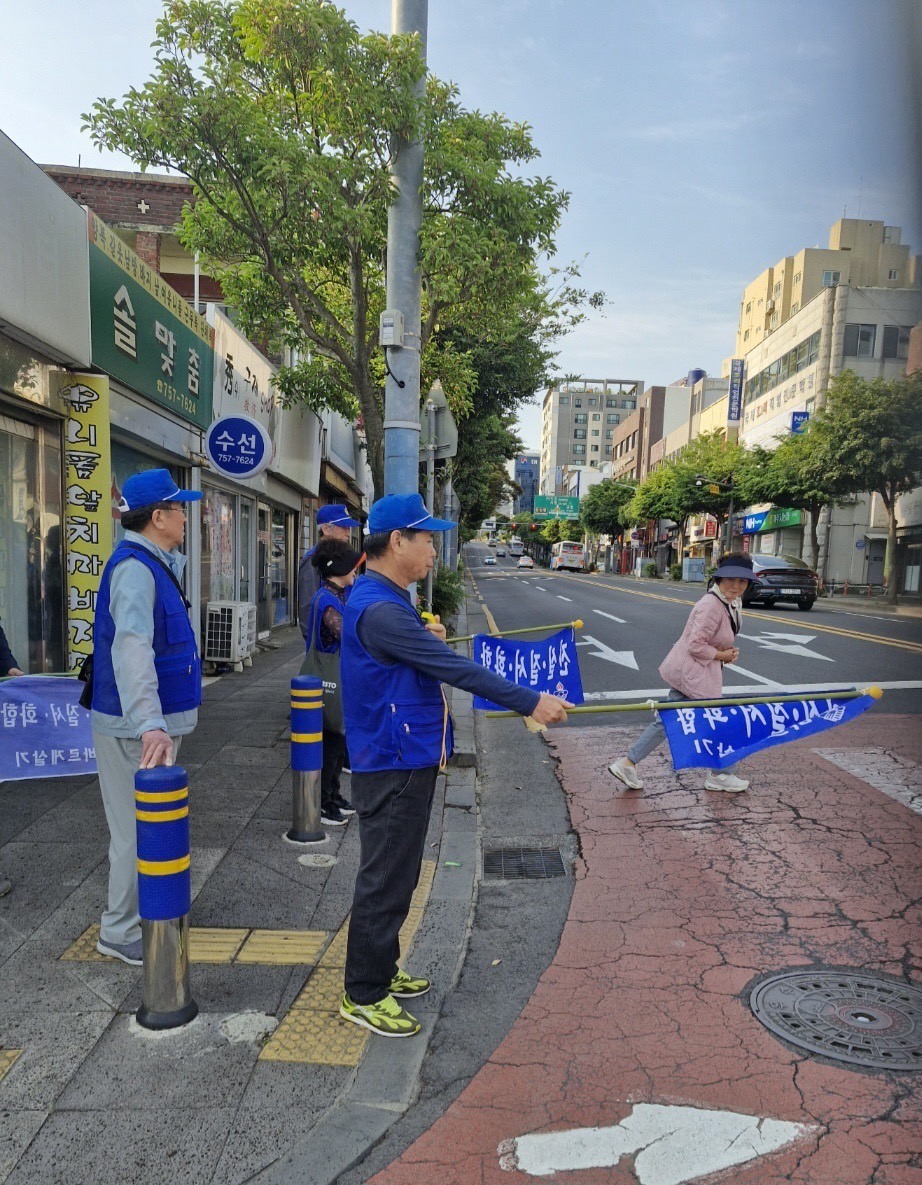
x=333 y=522
x=146 y=681
x=400 y=737
x=8 y=666
x=336 y=563
x=693 y=668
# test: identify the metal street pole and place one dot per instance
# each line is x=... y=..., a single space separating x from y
x=404 y=220
x=430 y=482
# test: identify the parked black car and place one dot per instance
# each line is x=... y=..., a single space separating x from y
x=781 y=578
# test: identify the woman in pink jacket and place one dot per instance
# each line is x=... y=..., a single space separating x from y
x=693 y=668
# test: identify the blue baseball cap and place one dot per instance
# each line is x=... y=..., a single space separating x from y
x=398 y=512
x=153 y=485
x=335 y=515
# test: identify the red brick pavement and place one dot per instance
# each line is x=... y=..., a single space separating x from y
x=682 y=898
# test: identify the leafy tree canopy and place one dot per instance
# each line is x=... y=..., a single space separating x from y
x=602 y=509
x=284 y=119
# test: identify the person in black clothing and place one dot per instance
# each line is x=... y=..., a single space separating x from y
x=335 y=563
x=8 y=666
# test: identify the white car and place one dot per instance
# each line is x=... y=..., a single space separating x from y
x=490 y=559
x=525 y=561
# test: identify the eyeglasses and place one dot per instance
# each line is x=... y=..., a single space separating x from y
x=178 y=507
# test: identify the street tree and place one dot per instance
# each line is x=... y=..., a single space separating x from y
x=666 y=493
x=284 y=118
x=869 y=434
x=601 y=511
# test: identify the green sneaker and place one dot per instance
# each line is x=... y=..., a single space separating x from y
x=407 y=986
x=386 y=1017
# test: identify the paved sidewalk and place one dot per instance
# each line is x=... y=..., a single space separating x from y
x=641 y=1025
x=267 y=1075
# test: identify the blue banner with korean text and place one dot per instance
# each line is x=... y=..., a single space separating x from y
x=715 y=738
x=550 y=665
x=44 y=733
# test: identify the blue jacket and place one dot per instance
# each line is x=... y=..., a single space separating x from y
x=176 y=659
x=396 y=717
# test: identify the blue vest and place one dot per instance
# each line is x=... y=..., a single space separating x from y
x=323 y=600
x=395 y=716
x=176 y=660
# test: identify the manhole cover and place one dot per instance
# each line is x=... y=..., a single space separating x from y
x=862 y=1020
x=516 y=864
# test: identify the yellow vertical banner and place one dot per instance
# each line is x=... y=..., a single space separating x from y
x=87 y=503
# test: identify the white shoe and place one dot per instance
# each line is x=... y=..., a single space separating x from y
x=726 y=782
x=625 y=771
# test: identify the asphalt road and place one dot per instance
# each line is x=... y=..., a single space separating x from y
x=629 y=626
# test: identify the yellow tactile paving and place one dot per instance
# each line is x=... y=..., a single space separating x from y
x=215 y=945
x=7 y=1057
x=282 y=947
x=312 y=1033
x=307 y=1035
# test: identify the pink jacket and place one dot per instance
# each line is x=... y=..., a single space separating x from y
x=690 y=666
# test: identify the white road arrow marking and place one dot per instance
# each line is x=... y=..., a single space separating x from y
x=673 y=1145
x=787 y=644
x=623 y=658
x=610 y=616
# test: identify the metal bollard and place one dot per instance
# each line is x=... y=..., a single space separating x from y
x=306 y=759
x=164 y=895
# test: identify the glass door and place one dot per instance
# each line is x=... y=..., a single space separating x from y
x=264 y=606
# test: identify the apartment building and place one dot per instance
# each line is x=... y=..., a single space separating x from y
x=579 y=418
x=861 y=254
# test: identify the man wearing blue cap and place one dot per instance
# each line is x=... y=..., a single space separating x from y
x=400 y=736
x=333 y=522
x=147 y=679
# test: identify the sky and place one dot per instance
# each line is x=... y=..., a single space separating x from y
x=700 y=140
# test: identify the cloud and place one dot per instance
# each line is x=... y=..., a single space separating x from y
x=694 y=129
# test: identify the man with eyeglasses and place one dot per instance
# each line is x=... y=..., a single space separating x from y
x=146 y=680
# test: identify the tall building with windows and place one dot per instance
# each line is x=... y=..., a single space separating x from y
x=525 y=473
x=579 y=420
x=857 y=313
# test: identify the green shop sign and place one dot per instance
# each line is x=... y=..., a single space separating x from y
x=556 y=506
x=770 y=520
x=144 y=334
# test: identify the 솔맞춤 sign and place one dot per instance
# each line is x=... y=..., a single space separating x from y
x=238 y=447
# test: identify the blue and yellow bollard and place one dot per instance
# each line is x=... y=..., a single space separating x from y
x=306 y=759
x=164 y=895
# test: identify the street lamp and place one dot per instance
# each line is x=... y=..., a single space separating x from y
x=715 y=487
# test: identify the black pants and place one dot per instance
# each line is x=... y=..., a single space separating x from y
x=393 y=809
x=334 y=754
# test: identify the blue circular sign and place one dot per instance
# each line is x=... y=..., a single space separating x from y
x=238 y=446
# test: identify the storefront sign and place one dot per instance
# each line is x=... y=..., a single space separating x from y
x=556 y=506
x=87 y=504
x=770 y=520
x=735 y=402
x=144 y=333
x=244 y=381
x=238 y=447
x=799 y=421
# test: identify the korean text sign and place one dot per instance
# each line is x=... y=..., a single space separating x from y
x=144 y=333
x=550 y=665
x=717 y=737
x=87 y=503
x=44 y=733
x=238 y=446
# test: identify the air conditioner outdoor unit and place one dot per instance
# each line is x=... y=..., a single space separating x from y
x=230 y=632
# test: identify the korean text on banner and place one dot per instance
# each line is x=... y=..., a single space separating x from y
x=714 y=738
x=87 y=505
x=551 y=665
x=44 y=733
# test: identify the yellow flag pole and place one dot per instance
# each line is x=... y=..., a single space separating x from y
x=531 y=629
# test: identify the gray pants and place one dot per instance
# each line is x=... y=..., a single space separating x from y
x=655 y=734
x=118 y=760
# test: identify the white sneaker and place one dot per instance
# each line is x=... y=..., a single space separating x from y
x=726 y=782
x=625 y=771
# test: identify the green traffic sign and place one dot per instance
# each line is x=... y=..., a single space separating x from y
x=556 y=506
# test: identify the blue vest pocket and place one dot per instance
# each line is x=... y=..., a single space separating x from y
x=418 y=730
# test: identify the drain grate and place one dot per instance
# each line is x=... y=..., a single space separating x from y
x=855 y=1018
x=517 y=864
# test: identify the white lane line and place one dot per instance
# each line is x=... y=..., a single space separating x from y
x=897 y=777
x=756 y=689
x=540 y=588
x=733 y=668
x=610 y=616
x=560 y=598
